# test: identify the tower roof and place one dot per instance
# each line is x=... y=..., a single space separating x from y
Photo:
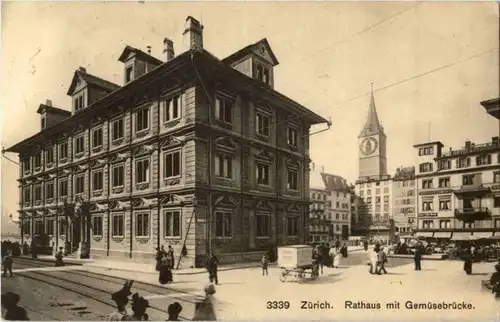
x=372 y=124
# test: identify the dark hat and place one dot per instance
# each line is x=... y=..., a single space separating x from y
x=10 y=299
x=139 y=301
x=124 y=292
x=497 y=267
x=174 y=308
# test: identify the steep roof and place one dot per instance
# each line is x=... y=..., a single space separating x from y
x=46 y=108
x=253 y=48
x=334 y=182
x=139 y=54
x=372 y=124
x=91 y=80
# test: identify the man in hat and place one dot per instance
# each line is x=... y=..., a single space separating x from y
x=121 y=300
x=59 y=257
x=139 y=306
x=205 y=309
x=7 y=262
x=212 y=264
x=174 y=310
x=12 y=311
x=495 y=281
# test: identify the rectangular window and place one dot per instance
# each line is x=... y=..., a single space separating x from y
x=79 y=103
x=49 y=227
x=483 y=159
x=49 y=190
x=262 y=74
x=129 y=71
x=292 y=226
x=444 y=182
x=172 y=164
x=63 y=151
x=27 y=164
x=444 y=224
x=38 y=160
x=142 y=171
x=97 y=226
x=38 y=193
x=469 y=224
x=49 y=156
x=39 y=227
x=262 y=124
x=496 y=177
x=426 y=167
x=224 y=110
x=377 y=200
x=142 y=120
x=427 y=205
x=444 y=165
x=427 y=184
x=468 y=180
x=118 y=174
x=171 y=108
x=117 y=130
x=428 y=224
x=142 y=225
x=43 y=123
x=496 y=202
x=63 y=188
x=79 y=184
x=463 y=162
x=62 y=227
x=27 y=194
x=293 y=180
x=292 y=137
x=117 y=225
x=262 y=174
x=223 y=224
x=386 y=199
x=97 y=180
x=497 y=223
x=444 y=204
x=262 y=225
x=79 y=144
x=97 y=138
x=224 y=166
x=172 y=224
x=26 y=227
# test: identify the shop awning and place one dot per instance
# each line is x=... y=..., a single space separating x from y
x=442 y=234
x=426 y=234
x=483 y=235
x=461 y=236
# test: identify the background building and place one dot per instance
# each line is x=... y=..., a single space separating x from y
x=192 y=151
x=458 y=190
x=403 y=192
x=330 y=214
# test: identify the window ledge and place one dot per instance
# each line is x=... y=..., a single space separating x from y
x=49 y=200
x=97 y=149
x=97 y=193
x=142 y=186
x=142 y=133
x=117 y=238
x=63 y=160
x=262 y=237
x=142 y=239
x=37 y=169
x=172 y=123
x=97 y=238
x=172 y=181
x=79 y=155
x=224 y=237
x=172 y=237
x=117 y=190
x=50 y=164
x=117 y=141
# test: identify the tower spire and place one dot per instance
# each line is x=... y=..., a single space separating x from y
x=372 y=124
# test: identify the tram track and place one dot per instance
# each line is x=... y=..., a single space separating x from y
x=64 y=281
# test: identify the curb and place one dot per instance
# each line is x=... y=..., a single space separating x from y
x=427 y=258
x=48 y=260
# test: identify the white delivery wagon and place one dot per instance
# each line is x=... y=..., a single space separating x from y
x=296 y=260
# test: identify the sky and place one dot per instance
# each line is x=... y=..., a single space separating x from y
x=329 y=54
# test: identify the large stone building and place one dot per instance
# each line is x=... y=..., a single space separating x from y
x=383 y=202
x=330 y=214
x=192 y=151
x=459 y=190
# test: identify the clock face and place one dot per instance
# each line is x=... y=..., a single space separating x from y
x=368 y=146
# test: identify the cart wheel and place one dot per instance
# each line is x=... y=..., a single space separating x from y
x=283 y=275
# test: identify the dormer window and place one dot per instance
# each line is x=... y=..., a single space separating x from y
x=43 y=123
x=128 y=74
x=263 y=74
x=426 y=151
x=79 y=102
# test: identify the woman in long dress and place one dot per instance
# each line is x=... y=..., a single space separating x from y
x=336 y=257
x=165 y=271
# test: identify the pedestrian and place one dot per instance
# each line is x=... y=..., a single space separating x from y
x=343 y=250
x=121 y=300
x=165 y=275
x=205 y=309
x=318 y=257
x=174 y=310
x=139 y=307
x=33 y=248
x=495 y=281
x=468 y=261
x=212 y=265
x=59 y=257
x=418 y=257
x=263 y=262
x=7 y=262
x=381 y=259
x=337 y=245
x=171 y=257
x=373 y=262
x=13 y=312
x=336 y=258
x=365 y=245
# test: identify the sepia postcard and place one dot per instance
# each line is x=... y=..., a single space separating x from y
x=250 y=161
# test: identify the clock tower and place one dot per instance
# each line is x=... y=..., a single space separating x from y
x=372 y=145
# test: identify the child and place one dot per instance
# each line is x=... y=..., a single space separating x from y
x=7 y=263
x=263 y=261
x=59 y=257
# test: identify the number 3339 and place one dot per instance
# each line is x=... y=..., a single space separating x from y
x=278 y=305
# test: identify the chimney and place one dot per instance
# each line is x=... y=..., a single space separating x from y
x=193 y=34
x=148 y=49
x=168 y=49
x=467 y=145
x=82 y=69
x=48 y=103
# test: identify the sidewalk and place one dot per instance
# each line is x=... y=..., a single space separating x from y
x=150 y=268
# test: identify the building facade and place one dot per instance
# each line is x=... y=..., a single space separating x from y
x=330 y=213
x=459 y=190
x=194 y=152
x=403 y=209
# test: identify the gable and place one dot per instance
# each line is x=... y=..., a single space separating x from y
x=263 y=50
x=77 y=83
